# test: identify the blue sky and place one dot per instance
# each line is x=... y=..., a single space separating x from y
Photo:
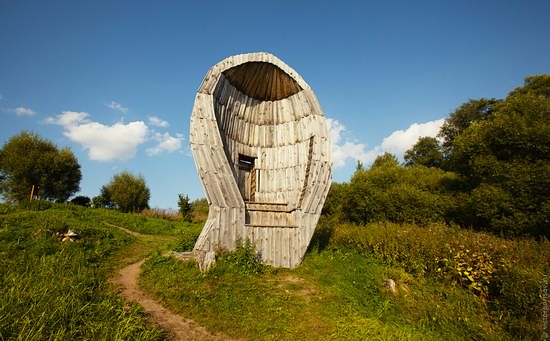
x=115 y=80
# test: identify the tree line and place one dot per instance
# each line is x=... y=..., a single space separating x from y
x=488 y=169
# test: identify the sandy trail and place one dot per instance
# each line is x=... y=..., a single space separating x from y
x=176 y=326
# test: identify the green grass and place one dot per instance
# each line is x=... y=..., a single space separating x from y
x=332 y=295
x=505 y=274
x=54 y=290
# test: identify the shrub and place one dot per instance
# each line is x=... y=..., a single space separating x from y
x=506 y=273
x=244 y=260
x=81 y=200
x=185 y=207
x=161 y=214
x=390 y=192
x=126 y=192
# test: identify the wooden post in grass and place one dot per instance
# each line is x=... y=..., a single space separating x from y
x=262 y=150
x=32 y=193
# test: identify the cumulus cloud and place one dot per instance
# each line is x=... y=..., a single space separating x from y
x=342 y=151
x=397 y=143
x=68 y=118
x=401 y=140
x=116 y=106
x=157 y=122
x=165 y=143
x=103 y=142
x=21 y=111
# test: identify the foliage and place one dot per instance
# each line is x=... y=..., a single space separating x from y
x=126 y=192
x=81 y=200
x=538 y=85
x=185 y=207
x=200 y=210
x=335 y=294
x=459 y=120
x=334 y=203
x=505 y=159
x=390 y=192
x=487 y=265
x=500 y=150
x=28 y=160
x=161 y=214
x=425 y=152
x=53 y=290
x=244 y=260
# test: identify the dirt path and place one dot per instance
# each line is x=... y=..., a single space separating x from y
x=176 y=326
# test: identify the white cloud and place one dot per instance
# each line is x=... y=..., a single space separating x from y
x=342 y=152
x=401 y=140
x=116 y=106
x=397 y=143
x=157 y=122
x=166 y=143
x=103 y=142
x=21 y=111
x=68 y=118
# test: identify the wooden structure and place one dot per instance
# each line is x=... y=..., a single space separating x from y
x=263 y=154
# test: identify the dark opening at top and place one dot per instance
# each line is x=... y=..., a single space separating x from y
x=262 y=81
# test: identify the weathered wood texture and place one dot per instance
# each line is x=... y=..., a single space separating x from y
x=262 y=151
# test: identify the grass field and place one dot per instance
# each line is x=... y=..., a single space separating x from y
x=60 y=290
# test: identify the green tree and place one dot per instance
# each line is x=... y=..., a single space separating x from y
x=384 y=160
x=538 y=85
x=81 y=200
x=390 y=192
x=185 y=207
x=28 y=160
x=334 y=206
x=200 y=209
x=425 y=152
x=505 y=159
x=126 y=192
x=459 y=120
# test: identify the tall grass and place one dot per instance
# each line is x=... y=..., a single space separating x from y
x=55 y=290
x=506 y=274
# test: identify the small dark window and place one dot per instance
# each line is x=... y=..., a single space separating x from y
x=246 y=162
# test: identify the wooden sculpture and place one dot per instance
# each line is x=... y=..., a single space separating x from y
x=263 y=154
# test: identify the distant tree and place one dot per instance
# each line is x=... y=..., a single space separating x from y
x=538 y=85
x=81 y=200
x=185 y=207
x=334 y=203
x=126 y=192
x=459 y=120
x=505 y=159
x=390 y=192
x=386 y=159
x=359 y=166
x=28 y=160
x=425 y=152
x=200 y=209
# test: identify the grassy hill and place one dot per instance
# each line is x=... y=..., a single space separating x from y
x=60 y=290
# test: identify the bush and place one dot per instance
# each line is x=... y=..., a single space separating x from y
x=81 y=200
x=506 y=273
x=390 y=192
x=200 y=210
x=126 y=192
x=28 y=160
x=185 y=207
x=243 y=260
